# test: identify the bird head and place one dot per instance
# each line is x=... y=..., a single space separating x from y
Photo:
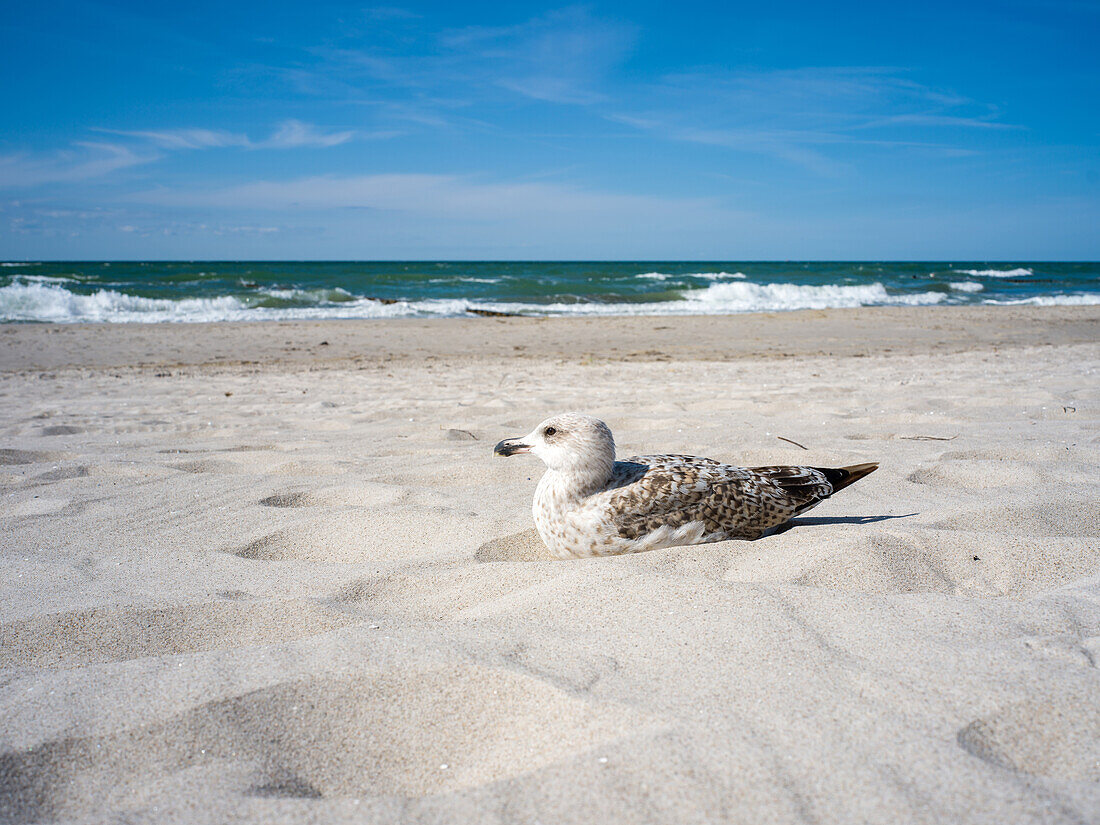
x=568 y=443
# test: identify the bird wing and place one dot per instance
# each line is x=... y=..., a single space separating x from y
x=649 y=492
x=802 y=486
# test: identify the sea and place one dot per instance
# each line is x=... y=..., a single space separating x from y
x=207 y=291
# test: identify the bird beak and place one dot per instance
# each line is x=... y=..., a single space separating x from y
x=511 y=446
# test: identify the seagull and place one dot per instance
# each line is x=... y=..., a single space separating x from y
x=589 y=504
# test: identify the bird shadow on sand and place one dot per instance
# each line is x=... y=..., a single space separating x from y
x=814 y=521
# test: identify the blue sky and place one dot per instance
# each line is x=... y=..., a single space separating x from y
x=945 y=131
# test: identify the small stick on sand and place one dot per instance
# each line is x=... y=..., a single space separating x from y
x=927 y=437
x=781 y=438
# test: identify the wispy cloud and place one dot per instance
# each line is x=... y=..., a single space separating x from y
x=563 y=56
x=181 y=139
x=153 y=229
x=290 y=134
x=560 y=57
x=60 y=222
x=293 y=134
x=937 y=120
x=799 y=115
x=458 y=197
x=804 y=117
x=86 y=160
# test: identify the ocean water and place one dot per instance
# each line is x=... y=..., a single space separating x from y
x=243 y=291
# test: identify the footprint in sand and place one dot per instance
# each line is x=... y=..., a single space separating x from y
x=436 y=592
x=1067 y=518
x=1055 y=739
x=523 y=546
x=880 y=564
x=61 y=429
x=361 y=535
x=321 y=543
x=10 y=457
x=393 y=732
x=112 y=634
x=63 y=474
x=364 y=495
x=37 y=506
x=971 y=475
x=208 y=465
x=258 y=461
x=288 y=500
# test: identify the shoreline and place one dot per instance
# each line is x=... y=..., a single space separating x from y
x=857 y=332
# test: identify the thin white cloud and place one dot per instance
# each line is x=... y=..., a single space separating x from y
x=562 y=56
x=88 y=160
x=558 y=57
x=181 y=139
x=799 y=115
x=290 y=134
x=938 y=120
x=447 y=196
x=803 y=117
x=293 y=134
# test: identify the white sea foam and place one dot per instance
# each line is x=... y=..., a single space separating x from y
x=967 y=286
x=18 y=263
x=717 y=276
x=38 y=301
x=710 y=276
x=750 y=297
x=464 y=280
x=1068 y=300
x=21 y=278
x=316 y=296
x=47 y=302
x=996 y=273
x=729 y=298
x=44 y=302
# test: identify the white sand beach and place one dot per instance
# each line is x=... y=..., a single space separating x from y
x=274 y=573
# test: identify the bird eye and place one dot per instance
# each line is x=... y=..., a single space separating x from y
x=549 y=431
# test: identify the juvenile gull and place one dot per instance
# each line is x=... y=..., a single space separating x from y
x=589 y=504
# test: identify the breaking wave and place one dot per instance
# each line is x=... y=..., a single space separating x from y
x=996 y=273
x=967 y=286
x=710 y=276
x=1070 y=300
x=750 y=297
x=43 y=300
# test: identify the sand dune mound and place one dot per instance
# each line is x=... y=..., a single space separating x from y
x=110 y=634
x=364 y=494
x=522 y=546
x=1062 y=518
x=424 y=731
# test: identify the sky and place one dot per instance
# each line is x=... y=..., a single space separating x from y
x=625 y=131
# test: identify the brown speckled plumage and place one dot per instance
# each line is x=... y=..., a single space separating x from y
x=736 y=502
x=589 y=504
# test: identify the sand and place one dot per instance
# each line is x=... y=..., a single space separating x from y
x=250 y=576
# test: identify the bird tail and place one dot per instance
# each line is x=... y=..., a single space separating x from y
x=841 y=477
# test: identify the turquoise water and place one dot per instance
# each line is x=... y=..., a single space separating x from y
x=219 y=291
